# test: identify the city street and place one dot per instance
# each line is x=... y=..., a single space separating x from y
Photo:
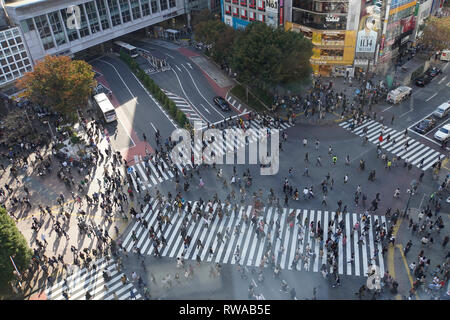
x=258 y=232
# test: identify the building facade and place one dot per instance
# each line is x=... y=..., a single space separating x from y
x=399 y=25
x=14 y=56
x=332 y=26
x=239 y=13
x=51 y=27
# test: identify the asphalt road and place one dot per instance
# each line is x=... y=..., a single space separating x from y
x=185 y=80
x=142 y=112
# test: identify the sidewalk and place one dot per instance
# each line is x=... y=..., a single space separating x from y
x=44 y=191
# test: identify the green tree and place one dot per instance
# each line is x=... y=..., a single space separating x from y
x=60 y=83
x=13 y=244
x=264 y=56
x=219 y=36
x=201 y=16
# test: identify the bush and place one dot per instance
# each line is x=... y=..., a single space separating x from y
x=156 y=91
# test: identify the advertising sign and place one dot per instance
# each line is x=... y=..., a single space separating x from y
x=281 y=12
x=368 y=30
x=272 y=7
x=408 y=24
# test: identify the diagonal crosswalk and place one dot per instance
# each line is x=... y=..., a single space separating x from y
x=85 y=280
x=415 y=151
x=237 y=232
x=149 y=173
x=184 y=106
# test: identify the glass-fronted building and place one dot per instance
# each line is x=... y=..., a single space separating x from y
x=331 y=25
x=52 y=27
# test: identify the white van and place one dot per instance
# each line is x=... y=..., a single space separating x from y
x=445 y=55
x=399 y=94
x=442 y=110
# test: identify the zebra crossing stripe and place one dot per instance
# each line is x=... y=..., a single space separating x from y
x=261 y=245
x=364 y=251
x=230 y=247
x=348 y=244
x=412 y=146
x=252 y=247
x=242 y=232
x=294 y=241
x=341 y=249
x=325 y=237
x=248 y=237
x=441 y=156
x=356 y=247
x=223 y=244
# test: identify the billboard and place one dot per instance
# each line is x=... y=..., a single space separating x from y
x=272 y=7
x=369 y=25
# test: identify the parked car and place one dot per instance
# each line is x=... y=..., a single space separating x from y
x=433 y=72
x=423 y=80
x=425 y=125
x=222 y=103
x=443 y=133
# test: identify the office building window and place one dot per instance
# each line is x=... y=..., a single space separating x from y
x=125 y=9
x=172 y=3
x=103 y=14
x=57 y=28
x=145 y=6
x=154 y=7
x=92 y=16
x=72 y=33
x=114 y=11
x=163 y=4
x=44 y=32
x=84 y=28
x=135 y=10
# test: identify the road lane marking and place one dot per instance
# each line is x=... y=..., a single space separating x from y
x=178 y=68
x=186 y=96
x=169 y=55
x=406 y=113
x=400 y=248
x=153 y=126
x=205 y=108
x=431 y=97
x=201 y=93
x=190 y=66
x=387 y=109
x=442 y=80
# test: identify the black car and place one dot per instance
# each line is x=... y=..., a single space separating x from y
x=425 y=125
x=423 y=80
x=222 y=103
x=433 y=72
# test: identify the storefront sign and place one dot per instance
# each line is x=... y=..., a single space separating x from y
x=272 y=6
x=281 y=13
x=331 y=18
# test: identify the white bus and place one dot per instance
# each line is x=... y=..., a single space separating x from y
x=119 y=46
x=103 y=103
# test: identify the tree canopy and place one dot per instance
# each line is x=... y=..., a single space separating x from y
x=219 y=35
x=436 y=33
x=266 y=56
x=60 y=83
x=14 y=244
